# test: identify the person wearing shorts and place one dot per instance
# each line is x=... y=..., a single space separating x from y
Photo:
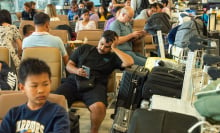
x=101 y=60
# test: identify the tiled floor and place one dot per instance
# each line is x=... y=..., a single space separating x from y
x=85 y=121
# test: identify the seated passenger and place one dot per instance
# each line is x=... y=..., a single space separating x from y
x=146 y=13
x=126 y=35
x=115 y=13
x=85 y=23
x=38 y=114
x=51 y=11
x=28 y=30
x=92 y=13
x=101 y=62
x=73 y=13
x=41 y=37
x=28 y=12
x=9 y=35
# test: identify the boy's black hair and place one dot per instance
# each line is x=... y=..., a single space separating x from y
x=159 y=5
x=27 y=28
x=154 y=5
x=41 y=18
x=32 y=66
x=109 y=35
x=5 y=17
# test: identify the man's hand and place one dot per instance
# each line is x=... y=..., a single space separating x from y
x=81 y=72
x=137 y=34
x=114 y=43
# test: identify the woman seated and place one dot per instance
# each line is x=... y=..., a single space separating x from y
x=28 y=12
x=51 y=11
x=103 y=13
x=85 y=23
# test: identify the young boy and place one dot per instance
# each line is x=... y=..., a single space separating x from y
x=37 y=115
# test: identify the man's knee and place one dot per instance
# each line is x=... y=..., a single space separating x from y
x=98 y=107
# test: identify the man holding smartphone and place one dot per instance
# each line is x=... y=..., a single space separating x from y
x=101 y=61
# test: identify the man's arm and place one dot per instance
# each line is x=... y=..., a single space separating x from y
x=72 y=68
x=122 y=39
x=65 y=59
x=126 y=59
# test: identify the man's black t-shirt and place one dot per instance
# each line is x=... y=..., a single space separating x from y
x=100 y=64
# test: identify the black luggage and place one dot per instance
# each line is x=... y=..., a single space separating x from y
x=163 y=81
x=159 y=121
x=132 y=77
x=74 y=121
x=129 y=96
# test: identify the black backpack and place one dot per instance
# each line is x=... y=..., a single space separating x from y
x=158 y=21
x=144 y=5
x=8 y=77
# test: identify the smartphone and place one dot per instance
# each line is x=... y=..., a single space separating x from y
x=87 y=69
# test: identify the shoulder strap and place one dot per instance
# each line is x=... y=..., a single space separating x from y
x=197 y=28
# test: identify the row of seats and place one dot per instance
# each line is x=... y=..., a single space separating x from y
x=55 y=64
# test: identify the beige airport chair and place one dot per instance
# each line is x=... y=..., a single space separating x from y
x=54 y=24
x=16 y=98
x=5 y=55
x=93 y=36
x=138 y=24
x=18 y=15
x=63 y=17
x=63 y=34
x=138 y=46
x=53 y=59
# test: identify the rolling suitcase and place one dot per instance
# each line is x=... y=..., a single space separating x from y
x=132 y=78
x=129 y=96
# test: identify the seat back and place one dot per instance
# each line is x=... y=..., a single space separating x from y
x=18 y=15
x=54 y=24
x=138 y=46
x=138 y=24
x=63 y=17
x=53 y=59
x=93 y=36
x=16 y=98
x=23 y=23
x=63 y=34
x=5 y=55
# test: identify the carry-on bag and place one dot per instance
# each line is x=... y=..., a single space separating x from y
x=160 y=121
x=129 y=96
x=131 y=78
x=163 y=81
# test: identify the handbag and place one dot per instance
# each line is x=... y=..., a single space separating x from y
x=84 y=84
x=207 y=103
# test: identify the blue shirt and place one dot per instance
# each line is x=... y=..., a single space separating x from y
x=51 y=118
x=71 y=14
x=44 y=39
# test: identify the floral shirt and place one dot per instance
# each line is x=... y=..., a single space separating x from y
x=8 y=35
